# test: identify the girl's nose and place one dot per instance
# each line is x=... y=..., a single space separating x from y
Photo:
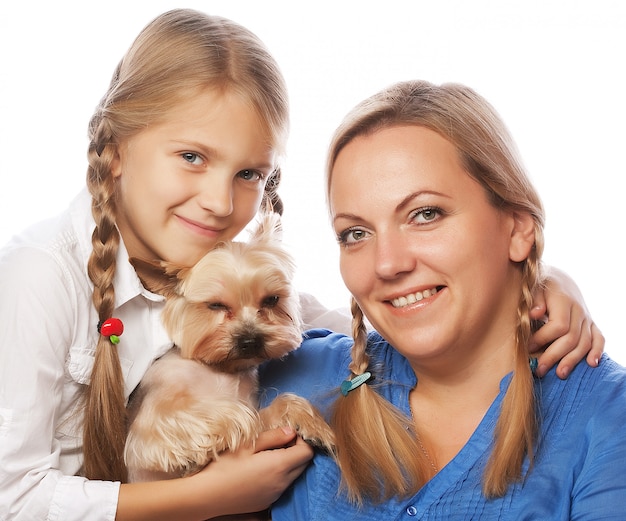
x=216 y=194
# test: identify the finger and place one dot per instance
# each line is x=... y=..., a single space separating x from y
x=275 y=438
x=300 y=455
x=289 y=461
x=567 y=351
x=597 y=346
x=539 y=309
x=554 y=329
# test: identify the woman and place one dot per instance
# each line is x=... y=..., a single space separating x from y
x=439 y=414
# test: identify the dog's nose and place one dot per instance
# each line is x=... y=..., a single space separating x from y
x=250 y=345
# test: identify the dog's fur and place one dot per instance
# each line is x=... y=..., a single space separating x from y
x=231 y=311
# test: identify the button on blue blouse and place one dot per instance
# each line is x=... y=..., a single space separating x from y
x=578 y=472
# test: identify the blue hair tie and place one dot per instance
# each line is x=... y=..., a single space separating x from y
x=357 y=381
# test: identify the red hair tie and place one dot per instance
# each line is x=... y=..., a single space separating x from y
x=111 y=328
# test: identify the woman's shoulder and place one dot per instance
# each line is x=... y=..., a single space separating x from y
x=316 y=367
x=591 y=397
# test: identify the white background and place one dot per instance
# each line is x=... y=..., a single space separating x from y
x=552 y=68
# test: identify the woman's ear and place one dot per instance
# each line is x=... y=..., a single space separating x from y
x=522 y=236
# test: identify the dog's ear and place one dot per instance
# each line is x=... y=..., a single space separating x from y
x=269 y=228
x=158 y=277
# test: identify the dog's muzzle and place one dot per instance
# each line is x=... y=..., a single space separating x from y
x=250 y=346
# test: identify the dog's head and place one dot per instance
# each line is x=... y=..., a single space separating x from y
x=236 y=307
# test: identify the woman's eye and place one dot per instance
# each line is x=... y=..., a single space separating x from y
x=351 y=236
x=250 y=175
x=192 y=158
x=426 y=215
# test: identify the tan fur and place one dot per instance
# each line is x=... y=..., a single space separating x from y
x=177 y=54
x=231 y=311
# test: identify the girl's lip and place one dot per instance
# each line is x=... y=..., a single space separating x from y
x=200 y=228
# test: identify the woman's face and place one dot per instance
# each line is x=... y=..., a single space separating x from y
x=426 y=256
x=193 y=180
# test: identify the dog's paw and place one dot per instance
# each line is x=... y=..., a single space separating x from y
x=304 y=418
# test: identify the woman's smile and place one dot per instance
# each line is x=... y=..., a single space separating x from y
x=412 y=298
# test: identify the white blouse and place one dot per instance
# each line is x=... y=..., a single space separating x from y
x=48 y=332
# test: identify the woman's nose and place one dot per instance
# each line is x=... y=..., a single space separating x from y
x=393 y=255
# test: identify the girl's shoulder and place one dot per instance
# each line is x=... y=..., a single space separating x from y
x=63 y=238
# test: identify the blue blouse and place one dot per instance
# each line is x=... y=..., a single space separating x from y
x=579 y=470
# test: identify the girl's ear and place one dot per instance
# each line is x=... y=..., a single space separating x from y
x=116 y=164
x=522 y=236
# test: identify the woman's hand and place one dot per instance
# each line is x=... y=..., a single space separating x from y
x=569 y=333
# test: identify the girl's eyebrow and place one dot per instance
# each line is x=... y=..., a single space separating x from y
x=214 y=153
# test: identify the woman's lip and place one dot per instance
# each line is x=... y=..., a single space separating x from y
x=413 y=297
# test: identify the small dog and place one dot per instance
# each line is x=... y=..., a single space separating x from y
x=227 y=314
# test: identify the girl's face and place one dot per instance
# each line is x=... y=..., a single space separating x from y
x=193 y=180
x=426 y=256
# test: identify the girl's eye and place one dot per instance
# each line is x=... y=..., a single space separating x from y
x=351 y=236
x=426 y=215
x=251 y=175
x=192 y=158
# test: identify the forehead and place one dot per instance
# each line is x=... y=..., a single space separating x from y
x=223 y=121
x=395 y=158
x=207 y=104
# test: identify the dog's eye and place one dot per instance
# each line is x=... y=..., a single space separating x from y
x=217 y=306
x=270 y=302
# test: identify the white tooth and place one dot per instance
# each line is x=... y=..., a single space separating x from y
x=413 y=297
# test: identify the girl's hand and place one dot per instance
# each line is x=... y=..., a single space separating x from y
x=254 y=477
x=248 y=480
x=569 y=333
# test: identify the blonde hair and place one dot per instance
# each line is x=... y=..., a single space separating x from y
x=175 y=56
x=380 y=460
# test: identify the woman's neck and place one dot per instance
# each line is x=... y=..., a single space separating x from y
x=452 y=395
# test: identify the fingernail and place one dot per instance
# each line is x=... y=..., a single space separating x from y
x=565 y=372
x=288 y=430
x=541 y=370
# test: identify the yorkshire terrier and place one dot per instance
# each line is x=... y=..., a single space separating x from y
x=227 y=314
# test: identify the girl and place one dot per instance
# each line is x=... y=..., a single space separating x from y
x=185 y=148
x=438 y=415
